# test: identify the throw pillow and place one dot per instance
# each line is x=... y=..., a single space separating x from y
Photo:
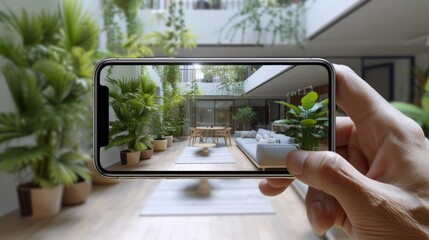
x=258 y=137
x=262 y=141
x=245 y=134
x=252 y=134
x=271 y=140
x=266 y=137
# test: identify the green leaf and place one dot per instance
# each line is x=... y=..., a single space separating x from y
x=17 y=158
x=412 y=111
x=291 y=106
x=309 y=100
x=308 y=122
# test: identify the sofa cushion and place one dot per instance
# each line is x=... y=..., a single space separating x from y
x=248 y=134
x=264 y=132
x=258 y=136
x=283 y=138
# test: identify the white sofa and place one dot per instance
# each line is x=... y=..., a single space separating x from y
x=267 y=153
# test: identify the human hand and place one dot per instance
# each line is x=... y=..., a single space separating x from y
x=377 y=184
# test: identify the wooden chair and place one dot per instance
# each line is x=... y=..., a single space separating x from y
x=193 y=135
x=225 y=134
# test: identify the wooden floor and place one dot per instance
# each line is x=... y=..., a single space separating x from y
x=112 y=212
x=165 y=161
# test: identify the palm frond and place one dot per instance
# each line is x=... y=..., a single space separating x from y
x=13 y=53
x=16 y=158
x=13 y=126
x=79 y=29
x=25 y=26
x=24 y=89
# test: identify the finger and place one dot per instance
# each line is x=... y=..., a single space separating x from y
x=344 y=127
x=351 y=89
x=324 y=211
x=279 y=186
x=329 y=172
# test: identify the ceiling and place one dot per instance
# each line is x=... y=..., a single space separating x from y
x=373 y=28
x=297 y=77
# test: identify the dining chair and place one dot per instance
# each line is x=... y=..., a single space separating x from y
x=193 y=135
x=225 y=134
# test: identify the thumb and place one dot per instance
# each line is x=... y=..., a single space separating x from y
x=328 y=172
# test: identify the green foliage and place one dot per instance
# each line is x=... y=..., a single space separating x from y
x=281 y=19
x=44 y=72
x=176 y=35
x=418 y=114
x=231 y=77
x=307 y=122
x=245 y=115
x=133 y=101
x=135 y=42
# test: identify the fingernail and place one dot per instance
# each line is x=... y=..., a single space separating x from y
x=295 y=162
x=318 y=210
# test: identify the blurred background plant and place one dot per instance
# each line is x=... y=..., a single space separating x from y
x=48 y=73
x=419 y=111
x=133 y=41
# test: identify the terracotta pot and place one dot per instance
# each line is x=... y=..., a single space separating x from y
x=159 y=145
x=130 y=158
x=99 y=179
x=146 y=154
x=76 y=193
x=169 y=140
x=37 y=202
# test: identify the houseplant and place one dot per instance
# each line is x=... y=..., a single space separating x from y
x=307 y=122
x=46 y=74
x=159 y=142
x=245 y=115
x=418 y=114
x=132 y=111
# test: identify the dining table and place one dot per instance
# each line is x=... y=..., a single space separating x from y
x=208 y=132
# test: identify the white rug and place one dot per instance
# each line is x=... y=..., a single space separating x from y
x=227 y=197
x=195 y=155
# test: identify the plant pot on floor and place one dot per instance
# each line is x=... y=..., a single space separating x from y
x=159 y=144
x=77 y=193
x=130 y=158
x=37 y=202
x=146 y=154
x=169 y=140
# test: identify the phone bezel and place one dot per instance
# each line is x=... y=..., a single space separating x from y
x=99 y=116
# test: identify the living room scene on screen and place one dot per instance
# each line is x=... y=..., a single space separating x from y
x=213 y=117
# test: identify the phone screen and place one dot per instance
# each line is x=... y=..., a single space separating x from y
x=209 y=117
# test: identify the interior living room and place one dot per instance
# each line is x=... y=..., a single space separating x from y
x=48 y=50
x=209 y=134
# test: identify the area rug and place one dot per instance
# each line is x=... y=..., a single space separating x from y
x=227 y=197
x=195 y=155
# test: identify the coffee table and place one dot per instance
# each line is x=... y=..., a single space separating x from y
x=205 y=146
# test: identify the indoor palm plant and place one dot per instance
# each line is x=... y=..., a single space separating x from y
x=133 y=102
x=245 y=115
x=46 y=73
x=307 y=122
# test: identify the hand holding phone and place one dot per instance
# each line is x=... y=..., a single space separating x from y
x=198 y=118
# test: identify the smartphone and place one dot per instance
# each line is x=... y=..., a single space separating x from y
x=210 y=117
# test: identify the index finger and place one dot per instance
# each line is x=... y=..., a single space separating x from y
x=357 y=98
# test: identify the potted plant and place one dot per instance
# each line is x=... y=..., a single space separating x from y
x=148 y=152
x=129 y=108
x=307 y=122
x=159 y=142
x=245 y=115
x=49 y=86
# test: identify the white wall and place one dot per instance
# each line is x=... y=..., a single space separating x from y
x=321 y=13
